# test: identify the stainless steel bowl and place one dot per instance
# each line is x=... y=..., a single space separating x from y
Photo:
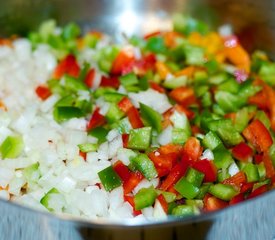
x=254 y=21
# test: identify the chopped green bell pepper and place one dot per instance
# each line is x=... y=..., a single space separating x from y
x=186 y=189
x=145 y=197
x=223 y=191
x=109 y=178
x=12 y=147
x=140 y=138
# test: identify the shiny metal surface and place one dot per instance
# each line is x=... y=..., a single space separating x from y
x=253 y=20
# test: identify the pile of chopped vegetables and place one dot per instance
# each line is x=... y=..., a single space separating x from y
x=175 y=123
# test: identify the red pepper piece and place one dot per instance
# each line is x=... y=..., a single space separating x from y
x=152 y=34
x=68 y=66
x=258 y=191
x=208 y=168
x=242 y=152
x=258 y=158
x=258 y=135
x=125 y=104
x=123 y=171
x=192 y=150
x=246 y=187
x=183 y=95
x=237 y=199
x=109 y=82
x=163 y=162
x=132 y=182
x=157 y=87
x=125 y=139
x=270 y=172
x=270 y=94
x=83 y=154
x=43 y=92
x=163 y=203
x=260 y=100
x=236 y=180
x=96 y=120
x=89 y=79
x=171 y=148
x=130 y=199
x=212 y=203
x=134 y=118
x=175 y=174
x=123 y=59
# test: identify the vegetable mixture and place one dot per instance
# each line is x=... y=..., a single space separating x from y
x=186 y=118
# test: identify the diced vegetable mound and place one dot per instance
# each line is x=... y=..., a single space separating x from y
x=177 y=122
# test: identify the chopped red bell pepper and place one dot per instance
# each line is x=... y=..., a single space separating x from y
x=132 y=182
x=96 y=120
x=242 y=152
x=125 y=139
x=163 y=162
x=270 y=93
x=192 y=150
x=237 y=199
x=109 y=82
x=258 y=158
x=157 y=87
x=183 y=95
x=246 y=187
x=43 y=92
x=89 y=79
x=258 y=191
x=212 y=203
x=175 y=174
x=83 y=154
x=208 y=168
x=269 y=168
x=171 y=148
x=122 y=61
x=257 y=134
x=134 y=118
x=260 y=100
x=163 y=203
x=68 y=66
x=123 y=171
x=236 y=180
x=153 y=34
x=125 y=104
x=130 y=199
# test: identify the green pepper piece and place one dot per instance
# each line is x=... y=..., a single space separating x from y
x=251 y=172
x=194 y=176
x=32 y=173
x=175 y=82
x=71 y=31
x=203 y=190
x=230 y=85
x=100 y=133
x=183 y=210
x=145 y=197
x=267 y=72
x=113 y=96
x=74 y=85
x=241 y=120
x=186 y=189
x=140 y=138
x=62 y=114
x=222 y=157
x=109 y=178
x=211 y=140
x=261 y=115
x=261 y=171
x=143 y=163
x=12 y=147
x=88 y=147
x=156 y=45
x=152 y=117
x=46 y=199
x=223 y=191
x=129 y=79
x=114 y=114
